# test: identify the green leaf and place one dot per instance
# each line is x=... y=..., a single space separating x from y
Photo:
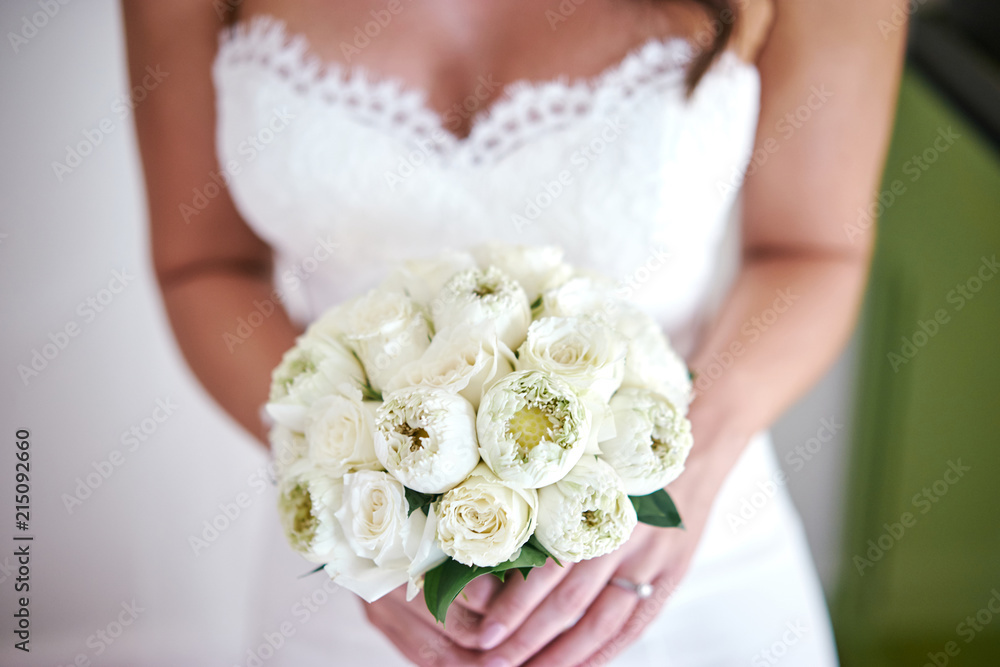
x=369 y=394
x=314 y=571
x=537 y=303
x=533 y=541
x=443 y=584
x=657 y=509
x=418 y=501
x=691 y=375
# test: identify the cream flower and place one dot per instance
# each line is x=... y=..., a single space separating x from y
x=287 y=449
x=387 y=330
x=532 y=428
x=422 y=279
x=586 y=353
x=535 y=268
x=471 y=297
x=306 y=503
x=484 y=521
x=586 y=514
x=426 y=437
x=650 y=361
x=462 y=360
x=652 y=440
x=376 y=542
x=340 y=432
x=314 y=368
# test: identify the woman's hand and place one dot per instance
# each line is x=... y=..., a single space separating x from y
x=565 y=615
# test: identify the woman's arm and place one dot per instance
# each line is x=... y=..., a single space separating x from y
x=798 y=261
x=211 y=268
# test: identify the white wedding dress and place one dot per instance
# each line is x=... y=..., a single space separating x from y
x=345 y=172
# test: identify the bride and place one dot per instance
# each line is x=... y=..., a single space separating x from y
x=305 y=146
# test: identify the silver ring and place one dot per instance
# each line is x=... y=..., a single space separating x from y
x=642 y=591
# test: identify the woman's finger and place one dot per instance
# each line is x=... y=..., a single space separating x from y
x=461 y=625
x=478 y=594
x=644 y=614
x=565 y=604
x=517 y=599
x=421 y=643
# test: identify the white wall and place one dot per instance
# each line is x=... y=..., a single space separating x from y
x=61 y=242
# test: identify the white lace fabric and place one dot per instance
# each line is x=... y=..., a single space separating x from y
x=618 y=169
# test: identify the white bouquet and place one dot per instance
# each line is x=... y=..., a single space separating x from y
x=477 y=413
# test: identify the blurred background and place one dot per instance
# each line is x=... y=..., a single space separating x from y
x=892 y=459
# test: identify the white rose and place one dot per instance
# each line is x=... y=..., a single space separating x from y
x=387 y=330
x=422 y=279
x=583 y=351
x=307 y=500
x=376 y=540
x=652 y=440
x=463 y=360
x=650 y=361
x=471 y=297
x=340 y=432
x=532 y=428
x=312 y=369
x=484 y=521
x=426 y=437
x=586 y=514
x=536 y=268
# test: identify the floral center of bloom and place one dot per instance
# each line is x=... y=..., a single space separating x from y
x=303 y=521
x=529 y=426
x=416 y=436
x=592 y=518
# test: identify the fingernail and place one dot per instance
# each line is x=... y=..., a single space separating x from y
x=492 y=635
x=497 y=662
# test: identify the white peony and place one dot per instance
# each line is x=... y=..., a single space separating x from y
x=652 y=440
x=586 y=514
x=314 y=368
x=387 y=330
x=463 y=360
x=340 y=431
x=484 y=521
x=422 y=279
x=307 y=500
x=583 y=351
x=536 y=268
x=532 y=428
x=426 y=437
x=471 y=297
x=376 y=540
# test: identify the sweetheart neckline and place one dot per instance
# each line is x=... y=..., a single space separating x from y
x=673 y=52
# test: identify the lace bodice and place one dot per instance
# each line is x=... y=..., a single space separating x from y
x=344 y=171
